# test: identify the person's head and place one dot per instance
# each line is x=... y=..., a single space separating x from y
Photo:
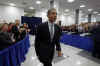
x=10 y=25
x=52 y=15
x=17 y=22
x=25 y=25
x=4 y=27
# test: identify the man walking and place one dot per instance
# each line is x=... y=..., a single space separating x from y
x=47 y=37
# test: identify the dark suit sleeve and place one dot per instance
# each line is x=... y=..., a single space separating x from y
x=58 y=47
x=15 y=30
x=37 y=40
x=7 y=42
x=37 y=35
x=92 y=31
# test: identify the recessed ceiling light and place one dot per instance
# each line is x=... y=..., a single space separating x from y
x=38 y=2
x=90 y=10
x=55 y=6
x=95 y=12
x=31 y=8
x=82 y=6
x=67 y=10
x=70 y=1
x=12 y=4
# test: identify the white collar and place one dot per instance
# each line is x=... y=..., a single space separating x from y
x=50 y=23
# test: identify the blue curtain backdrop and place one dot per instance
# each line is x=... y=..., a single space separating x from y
x=32 y=22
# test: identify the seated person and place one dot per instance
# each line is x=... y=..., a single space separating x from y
x=5 y=39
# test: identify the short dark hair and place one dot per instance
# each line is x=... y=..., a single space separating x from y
x=50 y=10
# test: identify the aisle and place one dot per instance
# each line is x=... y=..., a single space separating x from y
x=72 y=57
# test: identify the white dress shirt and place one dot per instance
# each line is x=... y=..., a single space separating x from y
x=51 y=30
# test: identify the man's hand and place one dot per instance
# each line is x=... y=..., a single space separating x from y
x=59 y=53
x=28 y=30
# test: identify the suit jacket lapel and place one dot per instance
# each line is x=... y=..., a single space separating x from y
x=48 y=30
x=55 y=30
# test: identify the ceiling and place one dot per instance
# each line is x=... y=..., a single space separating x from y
x=61 y=5
x=26 y=4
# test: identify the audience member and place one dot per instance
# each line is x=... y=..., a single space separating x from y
x=24 y=30
x=5 y=39
x=25 y=25
x=9 y=34
x=15 y=30
x=10 y=27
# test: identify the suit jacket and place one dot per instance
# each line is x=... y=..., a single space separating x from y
x=43 y=45
x=22 y=33
x=96 y=33
x=16 y=33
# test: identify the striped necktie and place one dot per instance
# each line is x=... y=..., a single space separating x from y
x=51 y=32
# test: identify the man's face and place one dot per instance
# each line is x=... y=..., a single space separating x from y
x=17 y=23
x=5 y=28
x=52 y=16
x=25 y=25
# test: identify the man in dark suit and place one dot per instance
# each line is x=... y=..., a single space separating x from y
x=47 y=37
x=15 y=30
x=96 y=37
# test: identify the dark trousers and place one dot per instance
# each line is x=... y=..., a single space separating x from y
x=47 y=64
x=96 y=50
x=45 y=59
